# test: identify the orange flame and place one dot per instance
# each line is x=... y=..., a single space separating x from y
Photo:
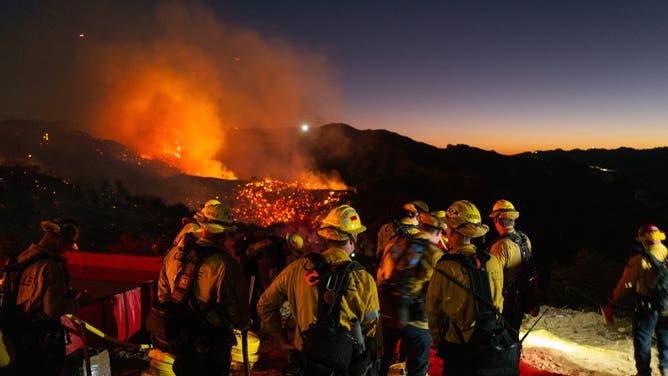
x=158 y=113
x=318 y=180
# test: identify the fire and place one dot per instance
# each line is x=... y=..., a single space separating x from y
x=161 y=114
x=317 y=180
x=266 y=202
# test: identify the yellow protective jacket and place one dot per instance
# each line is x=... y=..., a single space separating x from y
x=219 y=289
x=397 y=260
x=451 y=309
x=359 y=302
x=510 y=255
x=638 y=276
x=45 y=293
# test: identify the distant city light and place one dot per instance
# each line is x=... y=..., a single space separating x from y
x=304 y=127
x=82 y=35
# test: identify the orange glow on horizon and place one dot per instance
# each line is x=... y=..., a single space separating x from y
x=509 y=141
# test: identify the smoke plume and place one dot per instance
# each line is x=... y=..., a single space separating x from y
x=170 y=83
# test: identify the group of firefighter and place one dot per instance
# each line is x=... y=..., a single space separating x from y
x=407 y=309
x=406 y=303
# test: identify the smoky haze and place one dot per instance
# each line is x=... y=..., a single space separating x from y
x=169 y=81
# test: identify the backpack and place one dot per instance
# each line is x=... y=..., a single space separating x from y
x=401 y=261
x=659 y=299
x=178 y=321
x=493 y=340
x=12 y=319
x=328 y=347
x=525 y=291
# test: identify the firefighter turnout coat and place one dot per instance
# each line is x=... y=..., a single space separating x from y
x=359 y=302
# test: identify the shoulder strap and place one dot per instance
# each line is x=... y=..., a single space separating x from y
x=332 y=289
x=657 y=265
x=650 y=257
x=484 y=296
x=191 y=262
x=519 y=238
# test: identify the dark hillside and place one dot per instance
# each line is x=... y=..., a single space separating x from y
x=111 y=219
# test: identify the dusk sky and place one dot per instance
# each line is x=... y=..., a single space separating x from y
x=509 y=76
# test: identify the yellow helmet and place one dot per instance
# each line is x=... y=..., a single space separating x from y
x=464 y=217
x=199 y=214
x=295 y=242
x=432 y=219
x=650 y=232
x=340 y=223
x=64 y=228
x=504 y=209
x=217 y=218
x=417 y=206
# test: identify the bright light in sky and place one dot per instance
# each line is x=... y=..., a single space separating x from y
x=304 y=127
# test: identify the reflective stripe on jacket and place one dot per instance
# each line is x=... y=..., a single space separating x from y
x=451 y=309
x=360 y=301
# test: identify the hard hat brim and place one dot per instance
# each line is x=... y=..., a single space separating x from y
x=329 y=232
x=332 y=234
x=470 y=230
x=509 y=214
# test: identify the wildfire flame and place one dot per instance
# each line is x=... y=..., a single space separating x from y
x=157 y=112
x=266 y=202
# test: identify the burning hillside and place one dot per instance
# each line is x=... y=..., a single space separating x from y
x=268 y=201
x=174 y=95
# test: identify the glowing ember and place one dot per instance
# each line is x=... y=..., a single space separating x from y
x=269 y=201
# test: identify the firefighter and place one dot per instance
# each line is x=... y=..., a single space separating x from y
x=513 y=249
x=637 y=280
x=44 y=294
x=268 y=256
x=451 y=309
x=340 y=228
x=209 y=307
x=401 y=226
x=264 y=259
x=191 y=225
x=402 y=278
